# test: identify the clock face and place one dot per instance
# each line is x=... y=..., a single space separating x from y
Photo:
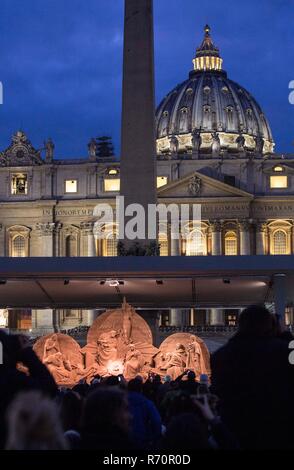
x=20 y=154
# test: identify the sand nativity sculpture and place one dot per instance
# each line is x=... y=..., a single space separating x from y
x=120 y=342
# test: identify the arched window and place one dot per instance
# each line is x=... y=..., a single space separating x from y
x=18 y=247
x=231 y=245
x=71 y=246
x=196 y=244
x=280 y=243
x=111 y=245
x=163 y=244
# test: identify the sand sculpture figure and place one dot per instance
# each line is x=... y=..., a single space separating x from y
x=184 y=352
x=120 y=342
x=194 y=355
x=176 y=364
x=134 y=363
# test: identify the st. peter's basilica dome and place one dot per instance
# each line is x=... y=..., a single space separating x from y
x=211 y=114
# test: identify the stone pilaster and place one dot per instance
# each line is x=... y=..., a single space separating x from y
x=57 y=241
x=216 y=237
x=46 y=232
x=2 y=241
x=216 y=317
x=88 y=239
x=49 y=182
x=92 y=181
x=261 y=234
x=244 y=228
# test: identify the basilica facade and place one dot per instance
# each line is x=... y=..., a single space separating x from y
x=214 y=148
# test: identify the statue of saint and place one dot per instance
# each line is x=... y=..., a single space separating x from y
x=259 y=144
x=174 y=145
x=194 y=356
x=196 y=141
x=49 y=146
x=92 y=146
x=215 y=148
x=176 y=364
x=240 y=143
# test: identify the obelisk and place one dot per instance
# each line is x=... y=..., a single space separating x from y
x=138 y=148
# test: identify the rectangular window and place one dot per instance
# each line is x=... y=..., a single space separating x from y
x=279 y=182
x=71 y=186
x=19 y=184
x=111 y=185
x=161 y=181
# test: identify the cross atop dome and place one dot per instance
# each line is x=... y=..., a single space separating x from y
x=207 y=55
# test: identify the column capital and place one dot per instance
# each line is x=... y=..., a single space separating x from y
x=244 y=225
x=87 y=227
x=58 y=227
x=261 y=226
x=216 y=226
x=45 y=229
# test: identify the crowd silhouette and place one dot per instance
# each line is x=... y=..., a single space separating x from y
x=247 y=403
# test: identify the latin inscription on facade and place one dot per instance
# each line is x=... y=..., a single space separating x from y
x=71 y=212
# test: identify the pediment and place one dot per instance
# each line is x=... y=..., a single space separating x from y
x=197 y=185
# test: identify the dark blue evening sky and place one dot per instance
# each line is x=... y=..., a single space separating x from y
x=61 y=62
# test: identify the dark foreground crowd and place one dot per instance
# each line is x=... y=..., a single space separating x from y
x=249 y=403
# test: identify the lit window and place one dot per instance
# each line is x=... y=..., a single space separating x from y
x=111 y=245
x=280 y=243
x=161 y=181
x=278 y=169
x=196 y=245
x=112 y=185
x=279 y=182
x=113 y=171
x=163 y=244
x=19 y=184
x=18 y=247
x=231 y=248
x=71 y=186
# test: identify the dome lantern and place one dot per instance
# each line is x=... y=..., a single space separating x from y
x=207 y=55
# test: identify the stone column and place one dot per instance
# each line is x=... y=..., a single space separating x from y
x=57 y=247
x=244 y=237
x=216 y=317
x=89 y=242
x=89 y=316
x=43 y=321
x=49 y=175
x=216 y=237
x=46 y=233
x=138 y=147
x=92 y=181
x=175 y=317
x=261 y=232
x=2 y=242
